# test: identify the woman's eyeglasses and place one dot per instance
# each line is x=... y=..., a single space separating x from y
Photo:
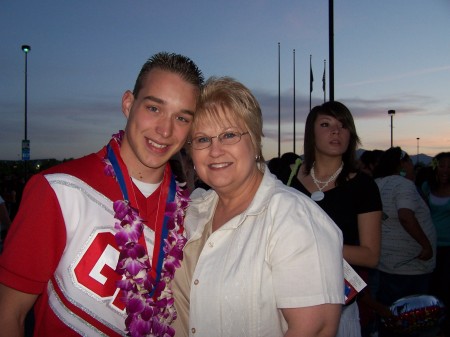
x=225 y=138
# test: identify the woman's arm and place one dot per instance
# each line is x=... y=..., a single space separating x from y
x=367 y=253
x=315 y=321
x=409 y=222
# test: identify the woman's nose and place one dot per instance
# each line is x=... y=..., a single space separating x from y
x=336 y=130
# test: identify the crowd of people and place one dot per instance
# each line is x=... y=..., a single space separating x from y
x=179 y=227
x=11 y=187
x=414 y=228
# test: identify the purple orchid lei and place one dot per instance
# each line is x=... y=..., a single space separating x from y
x=149 y=302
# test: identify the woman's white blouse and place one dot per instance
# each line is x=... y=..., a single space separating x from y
x=282 y=252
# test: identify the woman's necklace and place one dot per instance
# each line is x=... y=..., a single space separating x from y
x=319 y=195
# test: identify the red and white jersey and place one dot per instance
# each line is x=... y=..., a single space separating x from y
x=62 y=247
x=83 y=291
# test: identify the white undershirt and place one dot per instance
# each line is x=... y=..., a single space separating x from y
x=146 y=188
x=438 y=201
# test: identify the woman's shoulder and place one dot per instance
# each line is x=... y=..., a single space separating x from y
x=361 y=180
x=200 y=196
x=361 y=176
x=288 y=202
x=392 y=178
x=396 y=182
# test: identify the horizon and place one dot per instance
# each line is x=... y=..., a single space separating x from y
x=423 y=158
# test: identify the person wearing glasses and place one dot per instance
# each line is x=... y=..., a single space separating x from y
x=262 y=259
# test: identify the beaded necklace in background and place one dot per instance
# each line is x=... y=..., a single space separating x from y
x=319 y=195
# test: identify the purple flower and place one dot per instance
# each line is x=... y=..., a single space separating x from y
x=160 y=286
x=136 y=305
x=108 y=169
x=135 y=250
x=171 y=265
x=148 y=312
x=170 y=332
x=139 y=327
x=121 y=209
x=158 y=329
x=171 y=208
x=118 y=136
x=125 y=284
x=132 y=266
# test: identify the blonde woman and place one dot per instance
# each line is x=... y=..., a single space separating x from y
x=261 y=259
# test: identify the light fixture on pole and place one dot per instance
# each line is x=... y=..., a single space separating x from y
x=417 y=159
x=392 y=113
x=25 y=142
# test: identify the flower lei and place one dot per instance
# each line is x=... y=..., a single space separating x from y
x=149 y=302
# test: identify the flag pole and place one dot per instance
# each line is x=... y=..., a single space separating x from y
x=331 y=46
x=294 y=98
x=324 y=81
x=311 y=80
x=279 y=104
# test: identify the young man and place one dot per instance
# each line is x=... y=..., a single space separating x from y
x=97 y=240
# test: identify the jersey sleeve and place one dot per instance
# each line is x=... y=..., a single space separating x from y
x=35 y=241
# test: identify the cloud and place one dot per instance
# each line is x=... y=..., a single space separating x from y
x=412 y=74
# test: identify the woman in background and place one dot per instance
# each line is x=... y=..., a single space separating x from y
x=437 y=194
x=330 y=177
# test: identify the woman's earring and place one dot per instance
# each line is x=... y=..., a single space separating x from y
x=257 y=158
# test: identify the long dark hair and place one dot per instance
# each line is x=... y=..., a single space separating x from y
x=432 y=178
x=342 y=114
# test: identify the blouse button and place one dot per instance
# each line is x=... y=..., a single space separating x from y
x=193 y=330
x=196 y=282
x=211 y=244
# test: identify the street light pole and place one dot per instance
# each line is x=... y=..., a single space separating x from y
x=26 y=49
x=417 y=159
x=392 y=113
x=25 y=142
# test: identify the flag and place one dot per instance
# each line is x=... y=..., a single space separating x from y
x=323 y=79
x=311 y=77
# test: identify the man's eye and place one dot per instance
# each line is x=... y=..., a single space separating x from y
x=152 y=108
x=183 y=119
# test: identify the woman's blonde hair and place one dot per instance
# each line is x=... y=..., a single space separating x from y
x=222 y=95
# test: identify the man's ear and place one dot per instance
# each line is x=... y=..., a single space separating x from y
x=127 y=103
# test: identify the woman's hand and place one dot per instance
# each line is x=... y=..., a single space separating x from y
x=409 y=222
